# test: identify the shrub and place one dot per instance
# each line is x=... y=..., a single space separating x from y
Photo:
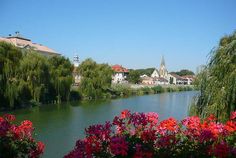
x=157 y=89
x=140 y=135
x=17 y=140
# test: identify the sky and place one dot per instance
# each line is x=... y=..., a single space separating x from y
x=132 y=33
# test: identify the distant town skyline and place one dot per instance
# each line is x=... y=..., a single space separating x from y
x=134 y=33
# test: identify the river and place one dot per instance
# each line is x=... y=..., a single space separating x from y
x=59 y=126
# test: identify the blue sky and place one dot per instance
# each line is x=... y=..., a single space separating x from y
x=133 y=33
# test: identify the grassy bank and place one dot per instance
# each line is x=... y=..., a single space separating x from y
x=126 y=90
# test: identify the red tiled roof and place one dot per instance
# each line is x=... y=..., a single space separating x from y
x=119 y=68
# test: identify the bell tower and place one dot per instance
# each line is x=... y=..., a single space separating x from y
x=163 y=71
x=76 y=60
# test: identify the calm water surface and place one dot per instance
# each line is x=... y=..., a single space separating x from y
x=59 y=126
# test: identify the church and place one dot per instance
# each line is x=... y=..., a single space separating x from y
x=160 y=76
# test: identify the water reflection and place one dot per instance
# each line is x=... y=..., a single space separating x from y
x=59 y=126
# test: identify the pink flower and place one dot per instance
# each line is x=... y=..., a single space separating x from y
x=192 y=122
x=233 y=115
x=193 y=126
x=152 y=118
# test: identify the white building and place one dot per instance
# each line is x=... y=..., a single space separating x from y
x=160 y=77
x=178 y=80
x=120 y=74
x=189 y=79
x=155 y=73
x=160 y=81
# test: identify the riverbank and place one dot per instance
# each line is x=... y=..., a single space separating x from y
x=116 y=91
x=127 y=90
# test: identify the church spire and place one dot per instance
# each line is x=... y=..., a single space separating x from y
x=162 y=61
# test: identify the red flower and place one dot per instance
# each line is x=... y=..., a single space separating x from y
x=233 y=115
x=148 y=135
x=193 y=126
x=119 y=146
x=220 y=150
x=169 y=125
x=125 y=114
x=139 y=119
x=4 y=126
x=206 y=135
x=1 y=119
x=40 y=147
x=9 y=117
x=230 y=126
x=92 y=145
x=38 y=151
x=102 y=132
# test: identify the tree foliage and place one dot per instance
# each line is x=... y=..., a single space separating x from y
x=184 y=72
x=147 y=71
x=217 y=81
x=134 y=76
x=28 y=76
x=96 y=79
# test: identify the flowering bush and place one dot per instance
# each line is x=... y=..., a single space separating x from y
x=16 y=140
x=139 y=135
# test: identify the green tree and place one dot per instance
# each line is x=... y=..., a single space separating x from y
x=147 y=71
x=217 y=82
x=27 y=76
x=9 y=62
x=61 y=77
x=36 y=76
x=96 y=79
x=134 y=76
x=184 y=72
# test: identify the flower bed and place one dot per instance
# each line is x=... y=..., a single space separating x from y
x=17 y=140
x=140 y=135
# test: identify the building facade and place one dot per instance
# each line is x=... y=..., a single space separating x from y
x=24 y=43
x=120 y=74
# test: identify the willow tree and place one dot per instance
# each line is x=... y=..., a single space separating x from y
x=96 y=79
x=217 y=82
x=35 y=75
x=61 y=77
x=9 y=62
